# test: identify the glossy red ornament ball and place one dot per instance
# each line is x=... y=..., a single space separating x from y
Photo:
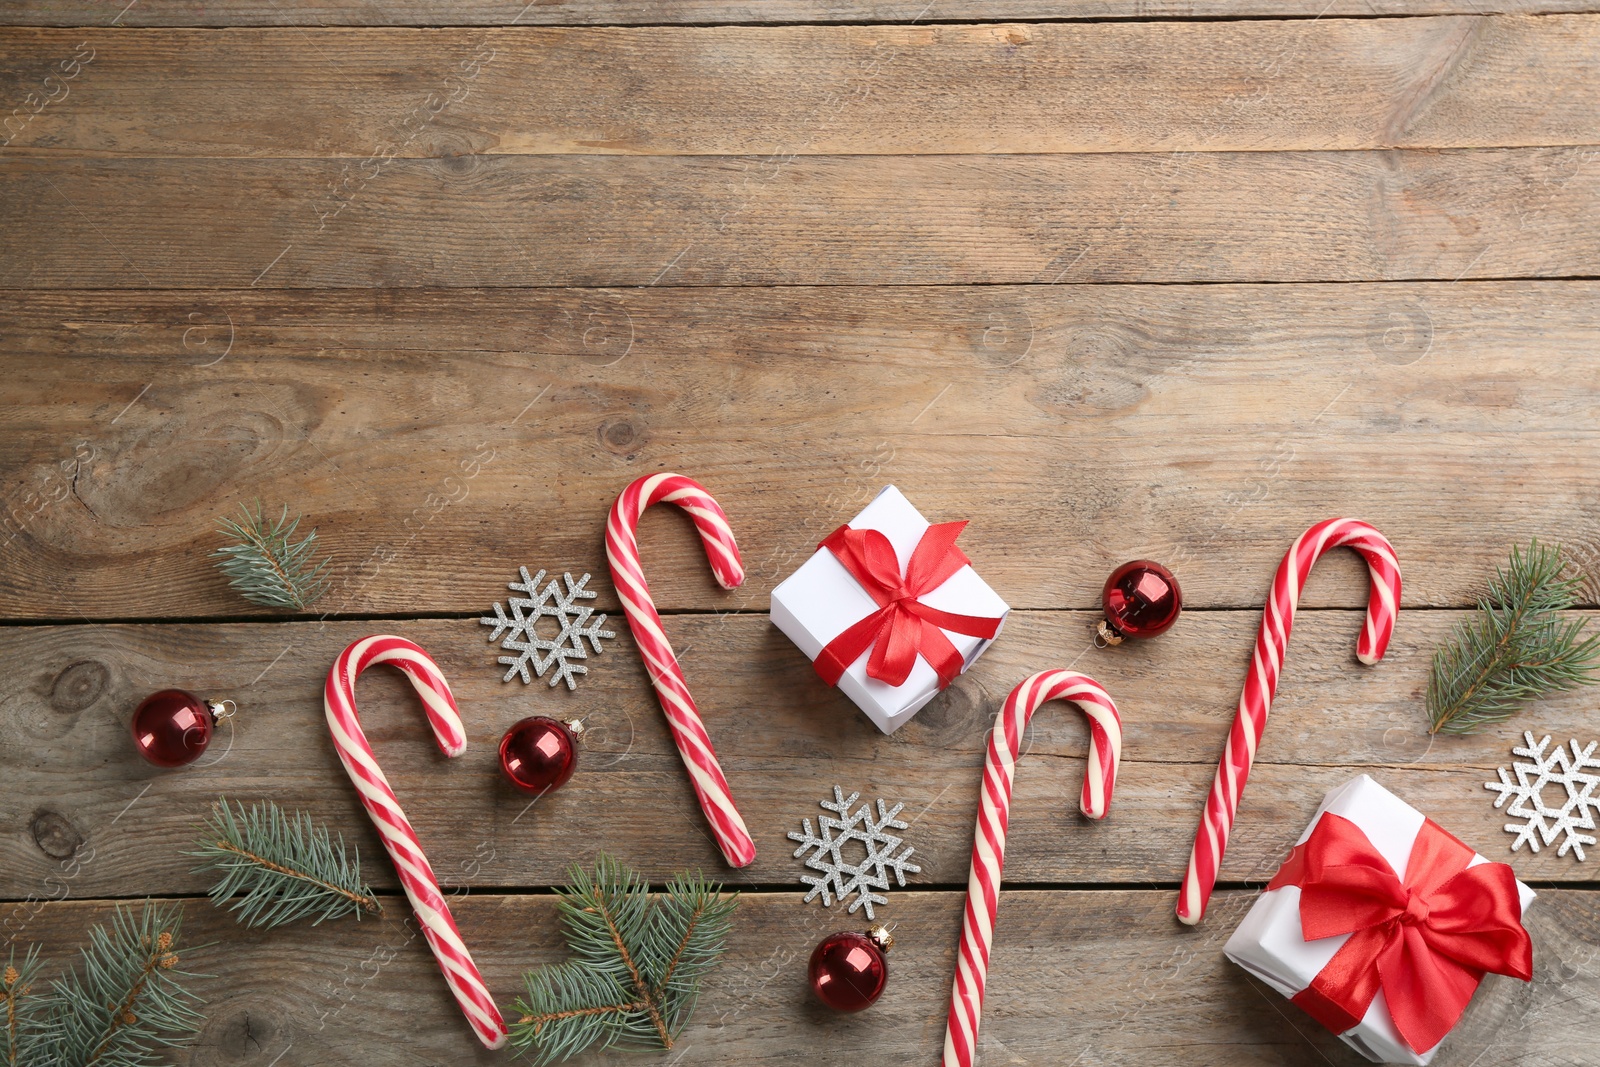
x=539 y=754
x=172 y=727
x=849 y=970
x=1141 y=599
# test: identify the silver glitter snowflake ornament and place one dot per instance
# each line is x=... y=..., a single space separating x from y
x=574 y=623
x=839 y=876
x=1559 y=779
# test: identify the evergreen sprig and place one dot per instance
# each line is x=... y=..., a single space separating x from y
x=1516 y=647
x=637 y=967
x=21 y=1000
x=280 y=867
x=121 y=1007
x=266 y=565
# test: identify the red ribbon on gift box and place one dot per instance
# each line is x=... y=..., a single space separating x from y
x=1426 y=940
x=903 y=626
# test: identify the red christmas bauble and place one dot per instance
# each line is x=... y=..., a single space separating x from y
x=1141 y=599
x=849 y=970
x=539 y=754
x=172 y=727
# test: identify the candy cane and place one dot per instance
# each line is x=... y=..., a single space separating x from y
x=1277 y=619
x=339 y=699
x=989 y=839
x=688 y=732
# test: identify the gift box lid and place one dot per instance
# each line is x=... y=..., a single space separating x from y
x=1389 y=823
x=825 y=600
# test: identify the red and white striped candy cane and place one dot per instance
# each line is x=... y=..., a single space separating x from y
x=989 y=840
x=688 y=731
x=1277 y=619
x=416 y=875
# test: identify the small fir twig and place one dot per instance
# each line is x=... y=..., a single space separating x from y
x=20 y=1006
x=266 y=565
x=1515 y=648
x=280 y=867
x=128 y=1000
x=637 y=967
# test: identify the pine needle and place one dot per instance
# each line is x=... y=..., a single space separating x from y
x=126 y=1002
x=637 y=967
x=1515 y=648
x=280 y=867
x=266 y=565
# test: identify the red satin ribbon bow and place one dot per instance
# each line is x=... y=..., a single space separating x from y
x=1425 y=940
x=902 y=626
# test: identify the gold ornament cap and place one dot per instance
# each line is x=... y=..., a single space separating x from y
x=1105 y=635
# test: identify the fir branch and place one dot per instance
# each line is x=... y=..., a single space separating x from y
x=280 y=867
x=703 y=916
x=637 y=968
x=265 y=564
x=1515 y=648
x=22 y=1007
x=126 y=1003
x=569 y=1008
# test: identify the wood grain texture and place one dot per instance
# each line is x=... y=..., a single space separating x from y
x=1455 y=82
x=80 y=807
x=315 y=13
x=636 y=221
x=1102 y=977
x=440 y=439
x=446 y=291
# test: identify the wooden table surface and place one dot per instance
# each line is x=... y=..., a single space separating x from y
x=1109 y=278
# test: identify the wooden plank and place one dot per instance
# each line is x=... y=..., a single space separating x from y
x=1077 y=426
x=621 y=221
x=1467 y=81
x=91 y=13
x=1103 y=977
x=80 y=807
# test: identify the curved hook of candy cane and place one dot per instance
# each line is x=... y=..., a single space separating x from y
x=1261 y=683
x=399 y=839
x=683 y=717
x=989 y=839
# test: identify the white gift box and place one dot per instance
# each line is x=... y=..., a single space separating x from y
x=822 y=599
x=1269 y=943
